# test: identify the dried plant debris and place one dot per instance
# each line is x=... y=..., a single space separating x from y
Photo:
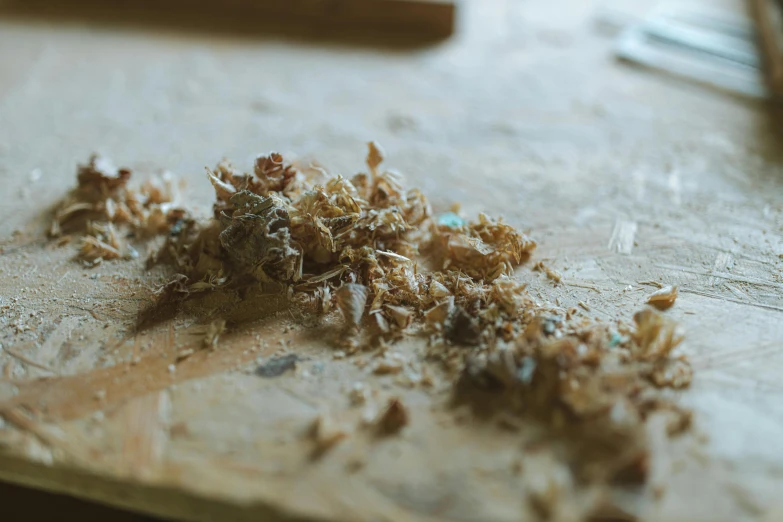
x=371 y=248
x=663 y=298
x=106 y=210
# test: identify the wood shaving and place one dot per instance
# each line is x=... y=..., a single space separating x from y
x=359 y=394
x=393 y=418
x=351 y=299
x=214 y=331
x=391 y=363
x=551 y=274
x=327 y=433
x=184 y=354
x=663 y=298
x=486 y=249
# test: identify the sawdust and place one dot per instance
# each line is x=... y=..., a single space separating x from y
x=369 y=248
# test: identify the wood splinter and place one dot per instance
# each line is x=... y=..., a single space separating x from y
x=664 y=298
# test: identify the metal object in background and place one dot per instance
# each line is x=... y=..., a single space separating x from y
x=704 y=44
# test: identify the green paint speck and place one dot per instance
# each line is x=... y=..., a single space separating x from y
x=451 y=220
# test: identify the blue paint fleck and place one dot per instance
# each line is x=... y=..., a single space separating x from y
x=527 y=370
x=615 y=340
x=451 y=220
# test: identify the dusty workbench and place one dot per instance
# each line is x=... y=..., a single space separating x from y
x=623 y=176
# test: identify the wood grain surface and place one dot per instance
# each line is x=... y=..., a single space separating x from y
x=623 y=176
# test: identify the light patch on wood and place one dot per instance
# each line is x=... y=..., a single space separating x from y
x=27 y=360
x=50 y=349
x=723 y=262
x=145 y=432
x=675 y=187
x=639 y=185
x=623 y=236
x=53 y=441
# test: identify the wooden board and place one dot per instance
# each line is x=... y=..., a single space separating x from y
x=423 y=18
x=769 y=16
x=623 y=176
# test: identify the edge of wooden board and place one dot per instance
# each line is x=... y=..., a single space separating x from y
x=150 y=499
x=422 y=18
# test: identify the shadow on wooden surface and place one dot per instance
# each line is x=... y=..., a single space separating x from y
x=20 y=503
x=340 y=22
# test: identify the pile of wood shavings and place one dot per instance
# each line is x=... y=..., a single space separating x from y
x=103 y=201
x=358 y=243
x=371 y=248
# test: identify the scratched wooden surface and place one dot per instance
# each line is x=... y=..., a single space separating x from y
x=623 y=176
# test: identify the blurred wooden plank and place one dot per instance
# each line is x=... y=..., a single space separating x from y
x=769 y=15
x=431 y=18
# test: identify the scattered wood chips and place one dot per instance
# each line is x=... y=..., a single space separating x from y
x=663 y=298
x=327 y=432
x=393 y=418
x=360 y=245
x=102 y=201
x=214 y=330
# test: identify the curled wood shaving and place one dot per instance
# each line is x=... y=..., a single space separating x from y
x=351 y=299
x=93 y=249
x=663 y=298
